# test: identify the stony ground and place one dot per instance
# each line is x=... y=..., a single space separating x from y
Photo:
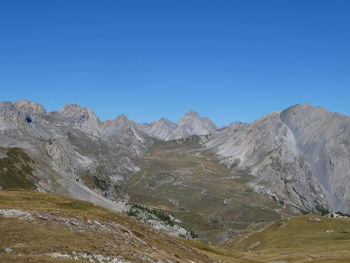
x=49 y=228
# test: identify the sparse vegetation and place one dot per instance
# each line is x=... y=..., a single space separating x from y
x=163 y=216
x=343 y=214
x=321 y=210
x=298 y=239
x=57 y=225
x=192 y=186
x=16 y=170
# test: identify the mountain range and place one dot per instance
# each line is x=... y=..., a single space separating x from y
x=289 y=162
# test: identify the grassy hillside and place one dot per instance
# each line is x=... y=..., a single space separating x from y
x=299 y=239
x=16 y=169
x=38 y=227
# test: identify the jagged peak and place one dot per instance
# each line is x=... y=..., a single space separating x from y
x=122 y=117
x=192 y=116
x=75 y=111
x=115 y=126
x=21 y=102
x=192 y=113
x=123 y=121
x=165 y=121
x=29 y=106
x=306 y=105
x=72 y=107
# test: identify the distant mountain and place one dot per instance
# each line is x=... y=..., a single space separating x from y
x=71 y=151
x=300 y=155
x=161 y=129
x=79 y=117
x=190 y=124
x=86 y=120
x=77 y=154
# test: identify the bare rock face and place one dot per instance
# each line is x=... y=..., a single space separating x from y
x=117 y=126
x=160 y=129
x=71 y=153
x=80 y=118
x=193 y=124
x=190 y=124
x=300 y=155
x=29 y=107
x=324 y=138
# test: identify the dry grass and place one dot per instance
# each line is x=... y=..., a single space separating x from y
x=193 y=185
x=46 y=232
x=299 y=239
x=16 y=170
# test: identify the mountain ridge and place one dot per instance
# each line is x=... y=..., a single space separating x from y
x=85 y=119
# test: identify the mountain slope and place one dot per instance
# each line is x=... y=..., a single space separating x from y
x=298 y=239
x=37 y=227
x=300 y=156
x=324 y=139
x=69 y=153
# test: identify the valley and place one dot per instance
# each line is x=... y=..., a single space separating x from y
x=206 y=196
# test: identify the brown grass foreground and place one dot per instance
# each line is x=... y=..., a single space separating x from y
x=40 y=227
x=52 y=228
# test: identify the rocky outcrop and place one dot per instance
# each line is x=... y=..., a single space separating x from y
x=79 y=117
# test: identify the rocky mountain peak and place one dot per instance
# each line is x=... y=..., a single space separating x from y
x=124 y=121
x=189 y=124
x=72 y=109
x=163 y=120
x=80 y=117
x=160 y=129
x=113 y=127
x=29 y=107
x=77 y=114
x=192 y=123
x=191 y=114
x=166 y=122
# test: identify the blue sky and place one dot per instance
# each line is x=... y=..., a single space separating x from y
x=228 y=60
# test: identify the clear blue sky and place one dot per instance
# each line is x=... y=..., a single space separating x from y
x=233 y=60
